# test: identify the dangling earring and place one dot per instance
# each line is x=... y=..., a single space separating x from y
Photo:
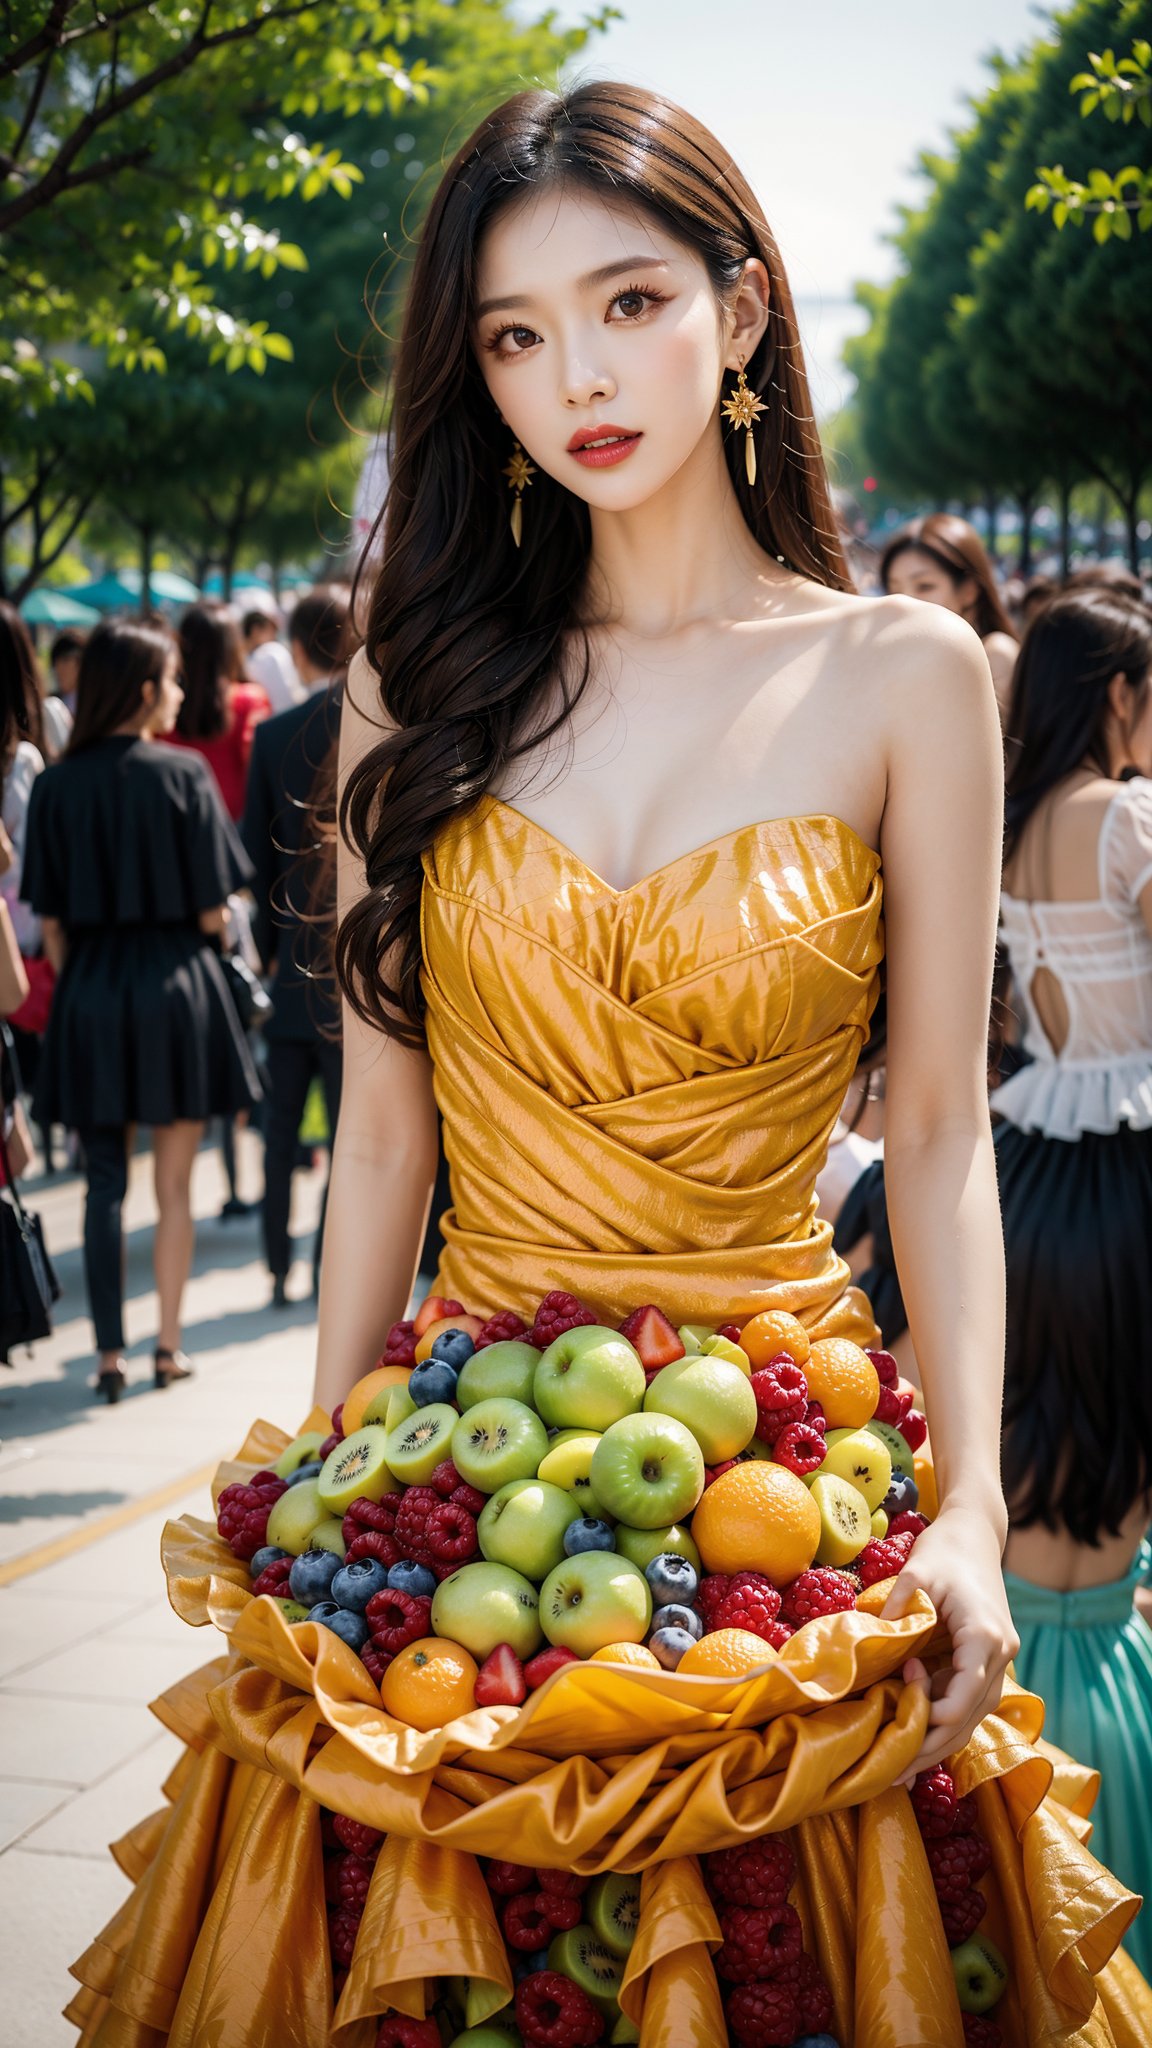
x=519 y=472
x=742 y=408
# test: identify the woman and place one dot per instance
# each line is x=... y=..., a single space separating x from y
x=1075 y=1160
x=942 y=560
x=21 y=761
x=129 y=863
x=220 y=710
x=644 y=754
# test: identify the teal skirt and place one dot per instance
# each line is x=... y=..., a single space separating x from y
x=1088 y=1654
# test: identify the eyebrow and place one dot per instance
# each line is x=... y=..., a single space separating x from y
x=587 y=283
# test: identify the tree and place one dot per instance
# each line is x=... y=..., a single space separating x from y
x=1122 y=89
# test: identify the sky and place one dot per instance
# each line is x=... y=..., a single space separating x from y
x=825 y=106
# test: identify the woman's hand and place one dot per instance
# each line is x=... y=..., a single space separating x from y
x=956 y=1561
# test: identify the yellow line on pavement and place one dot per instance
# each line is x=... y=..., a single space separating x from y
x=105 y=1525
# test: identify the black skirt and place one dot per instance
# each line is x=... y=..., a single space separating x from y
x=143 y=1030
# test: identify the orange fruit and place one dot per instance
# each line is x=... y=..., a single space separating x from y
x=472 y=1325
x=430 y=1682
x=760 y=1518
x=767 y=1335
x=356 y=1404
x=929 y=1502
x=727 y=1653
x=627 y=1653
x=844 y=1381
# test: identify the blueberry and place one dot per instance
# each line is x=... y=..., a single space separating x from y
x=902 y=1495
x=263 y=1558
x=669 y=1645
x=454 y=1348
x=671 y=1577
x=679 y=1616
x=587 y=1534
x=815 y=2041
x=432 y=1381
x=351 y=1628
x=311 y=1576
x=355 y=1583
x=416 y=1579
x=311 y=1471
x=527 y=1966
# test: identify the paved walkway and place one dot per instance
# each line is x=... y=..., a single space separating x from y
x=86 y=1634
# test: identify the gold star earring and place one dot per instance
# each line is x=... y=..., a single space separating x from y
x=742 y=408
x=519 y=472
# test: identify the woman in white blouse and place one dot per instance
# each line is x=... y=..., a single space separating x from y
x=1075 y=1162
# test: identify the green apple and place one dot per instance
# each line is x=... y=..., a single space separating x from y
x=328 y=1535
x=496 y=1442
x=647 y=1470
x=981 y=1974
x=897 y=1446
x=482 y=1605
x=693 y=1336
x=292 y=1518
x=489 y=2036
x=723 y=1347
x=501 y=1372
x=301 y=1451
x=711 y=1398
x=588 y=1378
x=592 y=1600
x=568 y=1464
x=640 y=1546
x=523 y=1525
x=398 y=1406
x=863 y=1459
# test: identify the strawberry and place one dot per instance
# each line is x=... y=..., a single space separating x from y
x=887 y=1370
x=650 y=1333
x=913 y=1428
x=544 y=1663
x=500 y=1681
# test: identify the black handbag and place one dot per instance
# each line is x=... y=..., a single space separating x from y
x=28 y=1285
x=252 y=1003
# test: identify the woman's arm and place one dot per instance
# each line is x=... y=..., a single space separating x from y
x=941 y=846
x=54 y=940
x=384 y=1159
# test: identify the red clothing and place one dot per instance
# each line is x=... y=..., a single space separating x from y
x=227 y=755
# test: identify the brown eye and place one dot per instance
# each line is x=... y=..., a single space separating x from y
x=631 y=303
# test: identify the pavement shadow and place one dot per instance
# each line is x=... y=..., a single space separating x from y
x=48 y=1507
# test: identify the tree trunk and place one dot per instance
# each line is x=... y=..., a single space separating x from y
x=1027 y=506
x=1102 y=523
x=1131 y=505
x=147 y=550
x=991 y=509
x=1065 y=526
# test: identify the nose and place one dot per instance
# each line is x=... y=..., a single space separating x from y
x=584 y=386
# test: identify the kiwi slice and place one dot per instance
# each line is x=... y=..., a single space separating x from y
x=400 y=1407
x=418 y=1444
x=624 y=2032
x=580 y=1954
x=356 y=1470
x=899 y=1448
x=329 y=1535
x=613 y=1906
x=300 y=1451
x=845 y=1521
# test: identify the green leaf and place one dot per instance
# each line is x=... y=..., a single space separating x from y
x=279 y=346
x=1122 y=224
x=1102 y=227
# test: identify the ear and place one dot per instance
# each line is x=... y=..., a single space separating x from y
x=149 y=692
x=1120 y=702
x=748 y=314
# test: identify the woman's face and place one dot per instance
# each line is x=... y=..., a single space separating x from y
x=169 y=697
x=915 y=573
x=603 y=344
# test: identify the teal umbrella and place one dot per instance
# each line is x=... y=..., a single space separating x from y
x=58 y=608
x=121 y=591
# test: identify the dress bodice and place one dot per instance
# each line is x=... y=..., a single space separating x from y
x=638 y=1086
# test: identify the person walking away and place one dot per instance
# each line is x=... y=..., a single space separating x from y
x=294 y=889
x=22 y=745
x=942 y=560
x=64 y=658
x=1074 y=1153
x=129 y=862
x=269 y=663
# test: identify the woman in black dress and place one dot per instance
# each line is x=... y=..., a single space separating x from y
x=130 y=860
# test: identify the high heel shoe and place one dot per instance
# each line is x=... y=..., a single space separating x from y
x=111 y=1383
x=171 y=1366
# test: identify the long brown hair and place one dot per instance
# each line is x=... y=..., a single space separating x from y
x=211 y=661
x=465 y=631
x=958 y=549
x=21 y=686
x=119 y=657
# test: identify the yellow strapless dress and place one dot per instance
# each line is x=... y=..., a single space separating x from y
x=638 y=1088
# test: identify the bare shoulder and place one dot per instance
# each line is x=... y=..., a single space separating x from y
x=929 y=671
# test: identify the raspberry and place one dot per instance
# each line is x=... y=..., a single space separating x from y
x=910 y=1523
x=469 y=1498
x=505 y=1328
x=713 y=1591
x=396 y=2031
x=887 y=1370
x=712 y=1472
x=781 y=1392
x=354 y=1836
x=370 y=1514
x=731 y=1331
x=445 y=1479
x=962 y=1916
x=980 y=2032
x=242 y=1513
x=343 y=1927
x=884 y=1558
x=762 y=2015
x=557 y=1312
x=564 y=1884
x=450 y=1534
x=353 y=1877
x=818 y=1591
x=805 y=1980
x=957 y=1863
x=375 y=1661
x=913 y=1429
x=801 y=1447
x=400 y=1345
x=411 y=1529
x=398 y=1618
x=758 y=1940
x=966 y=1821
x=934 y=1803
x=893 y=1406
x=274 y=1577
x=552 y=2012
x=372 y=1543
x=814 y=1414
x=506 y=1878
x=751 y=1603
x=754 y=1873
x=530 y=1919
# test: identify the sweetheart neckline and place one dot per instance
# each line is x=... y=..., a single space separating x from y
x=693 y=852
